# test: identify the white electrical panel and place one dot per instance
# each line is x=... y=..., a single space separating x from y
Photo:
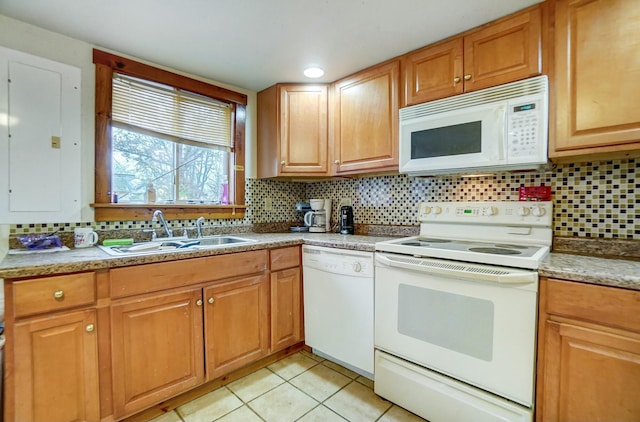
x=40 y=112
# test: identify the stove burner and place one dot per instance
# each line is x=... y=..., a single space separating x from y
x=424 y=241
x=496 y=251
x=511 y=246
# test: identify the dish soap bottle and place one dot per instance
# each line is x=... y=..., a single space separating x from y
x=150 y=196
x=224 y=191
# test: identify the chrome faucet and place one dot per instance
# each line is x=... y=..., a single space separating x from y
x=199 y=223
x=157 y=215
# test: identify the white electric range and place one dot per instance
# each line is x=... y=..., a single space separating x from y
x=456 y=311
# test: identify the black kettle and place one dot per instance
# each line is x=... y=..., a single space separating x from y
x=346 y=220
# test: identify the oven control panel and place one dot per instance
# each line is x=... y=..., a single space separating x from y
x=508 y=212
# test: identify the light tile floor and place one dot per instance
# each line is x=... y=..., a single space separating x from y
x=302 y=387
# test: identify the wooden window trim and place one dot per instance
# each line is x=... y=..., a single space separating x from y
x=106 y=64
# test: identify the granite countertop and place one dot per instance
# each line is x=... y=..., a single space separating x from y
x=94 y=258
x=594 y=270
x=588 y=269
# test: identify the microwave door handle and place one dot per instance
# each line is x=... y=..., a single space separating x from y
x=501 y=114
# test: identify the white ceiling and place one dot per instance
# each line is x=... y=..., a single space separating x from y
x=255 y=43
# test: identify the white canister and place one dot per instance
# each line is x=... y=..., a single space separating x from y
x=84 y=237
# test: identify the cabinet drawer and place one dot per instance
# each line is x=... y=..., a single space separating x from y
x=53 y=293
x=285 y=258
x=610 y=306
x=167 y=275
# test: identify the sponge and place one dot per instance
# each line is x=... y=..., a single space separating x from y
x=117 y=242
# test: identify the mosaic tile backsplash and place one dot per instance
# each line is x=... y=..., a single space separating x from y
x=597 y=200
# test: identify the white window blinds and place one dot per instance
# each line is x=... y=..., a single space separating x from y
x=169 y=112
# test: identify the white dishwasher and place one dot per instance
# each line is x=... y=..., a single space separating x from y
x=338 y=306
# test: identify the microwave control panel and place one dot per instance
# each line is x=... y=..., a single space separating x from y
x=525 y=130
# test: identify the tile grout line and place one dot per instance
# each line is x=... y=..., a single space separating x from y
x=244 y=403
x=350 y=375
x=320 y=403
x=285 y=381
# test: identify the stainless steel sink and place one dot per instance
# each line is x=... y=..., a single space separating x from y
x=174 y=245
x=221 y=240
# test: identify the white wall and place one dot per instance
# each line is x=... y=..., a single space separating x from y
x=30 y=39
x=4 y=245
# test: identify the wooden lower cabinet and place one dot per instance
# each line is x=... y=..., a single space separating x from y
x=107 y=345
x=286 y=308
x=589 y=353
x=286 y=297
x=157 y=348
x=55 y=370
x=236 y=324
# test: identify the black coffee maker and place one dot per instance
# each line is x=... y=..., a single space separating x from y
x=346 y=220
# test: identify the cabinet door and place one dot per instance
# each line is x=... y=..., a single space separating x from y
x=597 y=77
x=433 y=72
x=366 y=120
x=303 y=129
x=157 y=348
x=56 y=368
x=590 y=375
x=286 y=309
x=505 y=51
x=236 y=324
x=293 y=130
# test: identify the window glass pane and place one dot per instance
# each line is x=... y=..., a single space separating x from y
x=202 y=173
x=179 y=173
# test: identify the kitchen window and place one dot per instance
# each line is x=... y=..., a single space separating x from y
x=165 y=141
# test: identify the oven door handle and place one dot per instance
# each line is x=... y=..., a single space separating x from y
x=500 y=275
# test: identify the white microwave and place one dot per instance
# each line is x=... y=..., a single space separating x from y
x=502 y=128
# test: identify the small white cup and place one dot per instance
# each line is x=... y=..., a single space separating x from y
x=84 y=237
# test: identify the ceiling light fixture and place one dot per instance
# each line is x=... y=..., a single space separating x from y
x=313 y=72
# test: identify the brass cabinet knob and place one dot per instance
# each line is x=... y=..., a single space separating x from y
x=467 y=77
x=89 y=328
x=282 y=163
x=456 y=79
x=210 y=300
x=58 y=294
x=337 y=162
x=199 y=302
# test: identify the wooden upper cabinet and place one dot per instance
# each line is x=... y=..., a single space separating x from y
x=292 y=130
x=597 y=79
x=433 y=72
x=365 y=120
x=506 y=50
